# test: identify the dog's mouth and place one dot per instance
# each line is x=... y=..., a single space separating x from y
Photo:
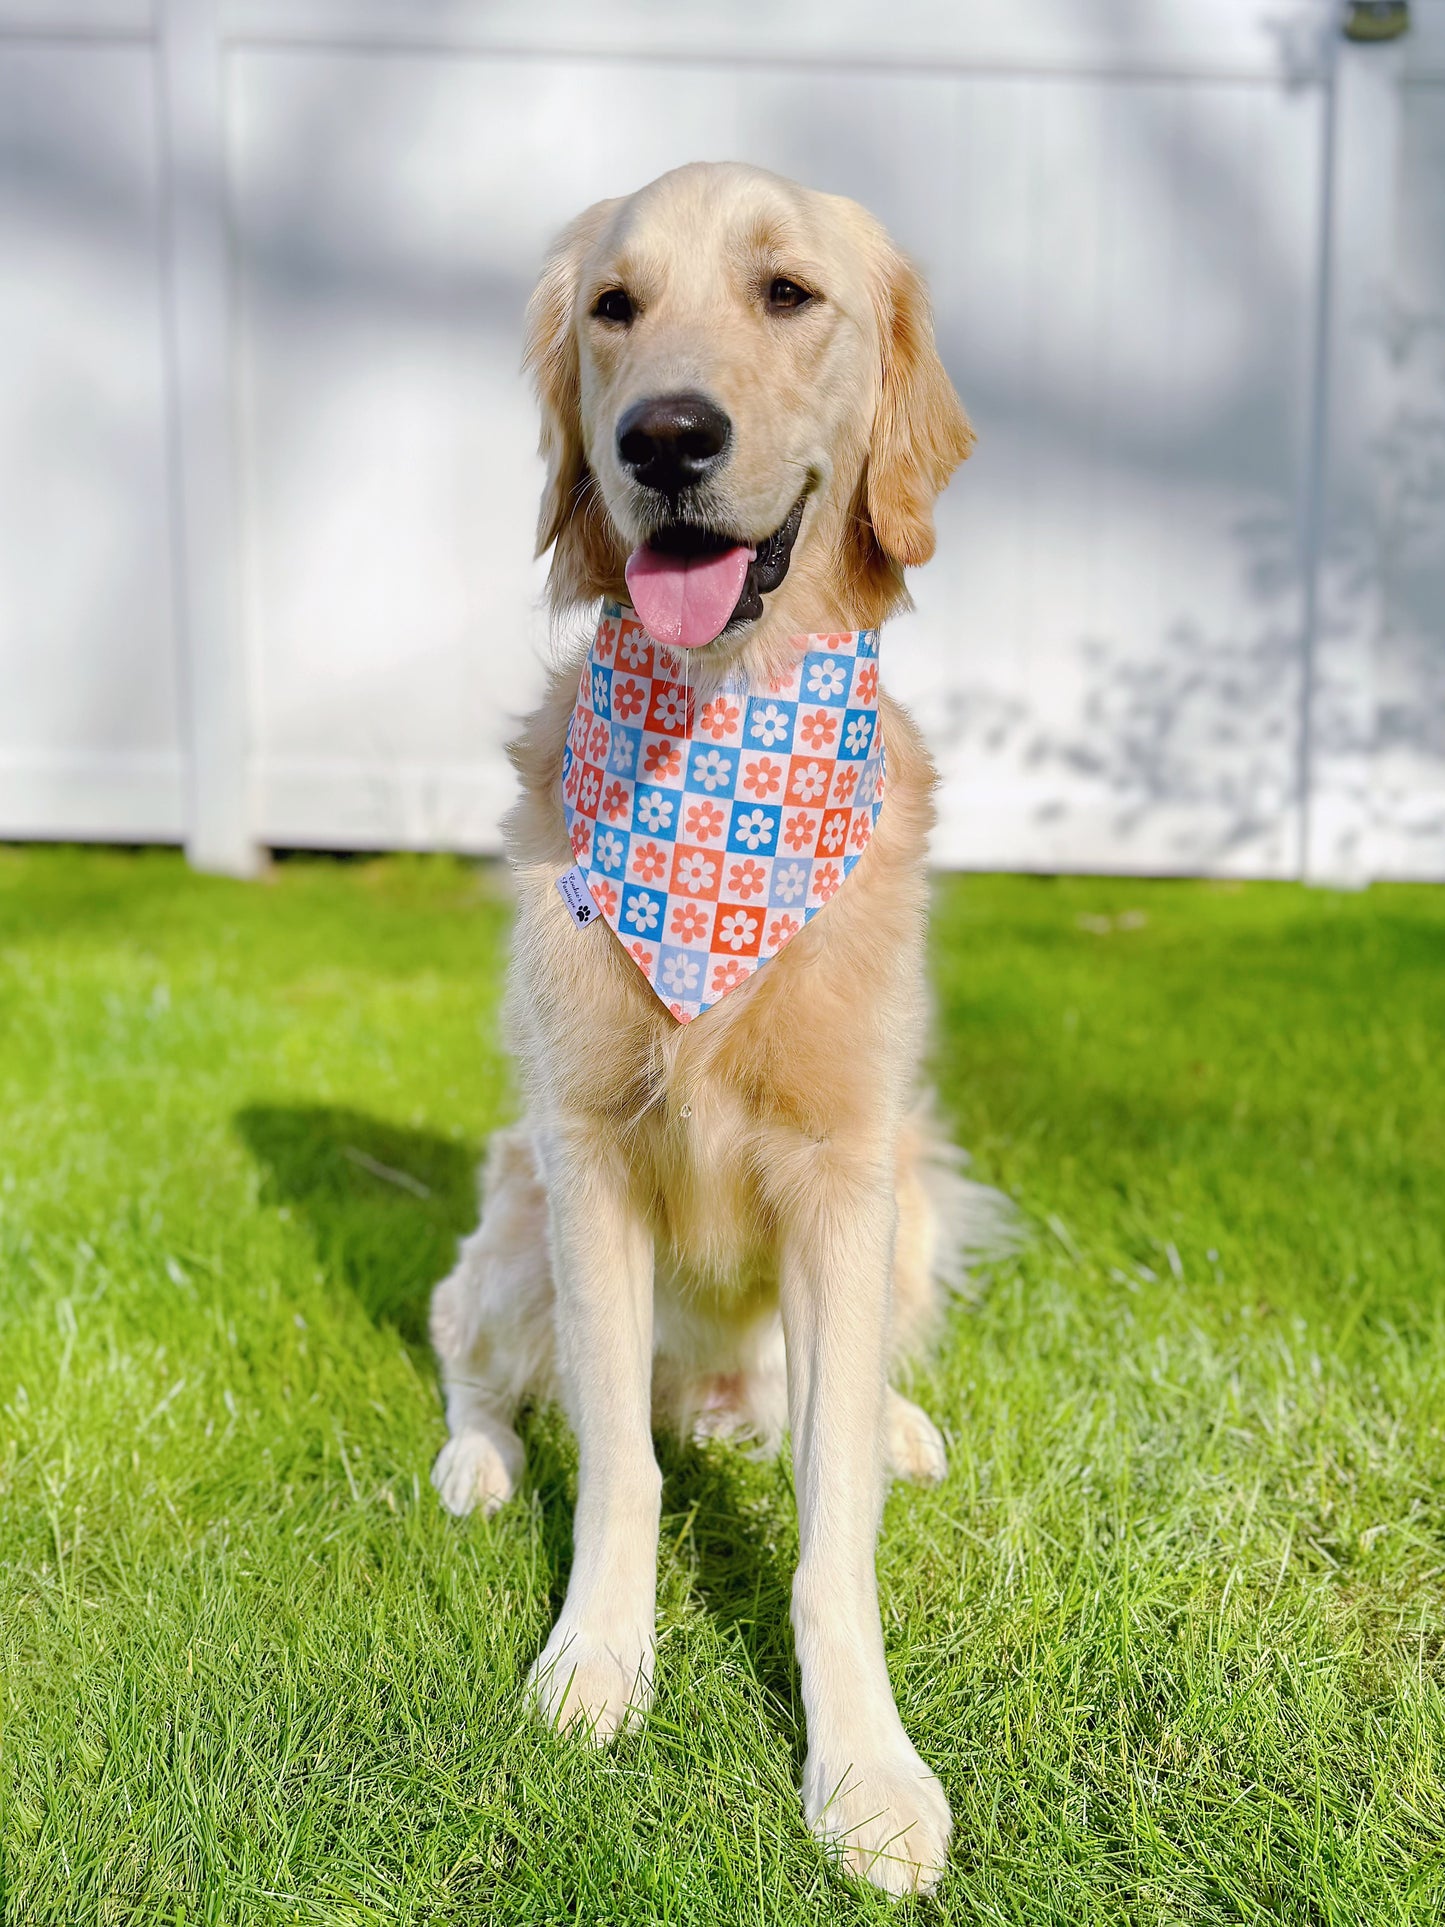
x=689 y=583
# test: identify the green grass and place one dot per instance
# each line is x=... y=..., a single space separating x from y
x=1172 y=1632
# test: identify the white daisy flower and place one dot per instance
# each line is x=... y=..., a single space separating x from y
x=680 y=974
x=710 y=770
x=654 y=810
x=754 y=827
x=790 y=882
x=826 y=679
x=769 y=724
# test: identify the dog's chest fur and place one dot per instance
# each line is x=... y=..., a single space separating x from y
x=718 y=1121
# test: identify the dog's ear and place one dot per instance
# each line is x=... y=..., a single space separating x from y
x=920 y=432
x=572 y=521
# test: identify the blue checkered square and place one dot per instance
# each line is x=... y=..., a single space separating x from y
x=857 y=739
x=654 y=810
x=826 y=678
x=622 y=751
x=755 y=828
x=768 y=723
x=642 y=914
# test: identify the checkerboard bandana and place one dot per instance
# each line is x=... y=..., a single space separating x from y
x=709 y=833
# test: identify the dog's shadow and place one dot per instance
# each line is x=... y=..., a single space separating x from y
x=737 y=1523
x=385 y=1205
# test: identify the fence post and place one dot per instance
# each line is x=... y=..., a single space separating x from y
x=1346 y=601
x=207 y=573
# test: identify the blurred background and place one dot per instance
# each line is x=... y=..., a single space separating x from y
x=267 y=465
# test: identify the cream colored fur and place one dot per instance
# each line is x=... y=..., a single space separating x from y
x=741 y=1224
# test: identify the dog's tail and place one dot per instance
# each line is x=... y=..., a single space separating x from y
x=972 y=1225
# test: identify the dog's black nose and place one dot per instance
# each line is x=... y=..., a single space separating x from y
x=673 y=442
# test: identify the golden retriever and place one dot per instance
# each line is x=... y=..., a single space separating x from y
x=743 y=1222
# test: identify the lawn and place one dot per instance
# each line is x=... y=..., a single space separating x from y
x=1172 y=1632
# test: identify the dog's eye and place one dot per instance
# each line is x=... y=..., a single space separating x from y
x=614 y=305
x=783 y=293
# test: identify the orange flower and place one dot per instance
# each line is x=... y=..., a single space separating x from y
x=746 y=879
x=649 y=861
x=718 y=717
x=763 y=776
x=704 y=821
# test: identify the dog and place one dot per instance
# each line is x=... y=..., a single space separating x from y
x=737 y=1219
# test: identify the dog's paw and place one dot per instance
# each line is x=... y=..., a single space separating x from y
x=590 y=1685
x=475 y=1473
x=883 y=1819
x=915 y=1445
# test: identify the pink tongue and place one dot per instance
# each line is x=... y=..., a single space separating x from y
x=686 y=601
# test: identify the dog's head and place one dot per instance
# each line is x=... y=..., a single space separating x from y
x=745 y=419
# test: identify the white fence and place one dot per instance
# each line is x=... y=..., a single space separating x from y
x=267 y=478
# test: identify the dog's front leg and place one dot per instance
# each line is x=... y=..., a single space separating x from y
x=866 y=1793
x=595 y=1671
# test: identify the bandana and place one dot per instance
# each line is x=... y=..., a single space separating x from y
x=707 y=834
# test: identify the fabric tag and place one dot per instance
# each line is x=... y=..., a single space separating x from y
x=572 y=887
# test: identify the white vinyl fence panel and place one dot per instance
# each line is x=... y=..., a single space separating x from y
x=267 y=468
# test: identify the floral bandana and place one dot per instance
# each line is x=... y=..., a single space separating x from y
x=709 y=834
